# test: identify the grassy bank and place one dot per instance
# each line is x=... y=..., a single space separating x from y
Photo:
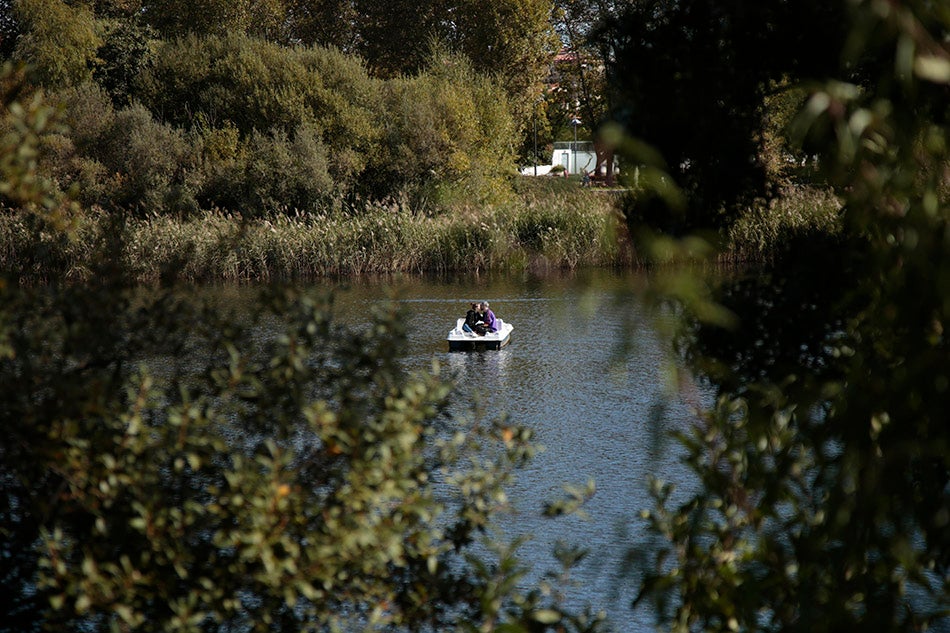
x=798 y=211
x=542 y=226
x=547 y=224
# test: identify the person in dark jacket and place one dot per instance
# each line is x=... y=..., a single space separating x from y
x=474 y=322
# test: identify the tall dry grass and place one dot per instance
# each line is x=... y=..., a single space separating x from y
x=799 y=210
x=567 y=229
x=548 y=224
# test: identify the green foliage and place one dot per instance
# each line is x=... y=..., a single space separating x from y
x=241 y=80
x=799 y=213
x=280 y=486
x=124 y=54
x=510 y=42
x=87 y=112
x=173 y=18
x=513 y=43
x=567 y=235
x=447 y=127
x=239 y=62
x=348 y=108
x=149 y=159
x=58 y=40
x=313 y=115
x=438 y=137
x=394 y=37
x=782 y=158
x=580 y=72
x=323 y=22
x=22 y=130
x=275 y=173
x=822 y=470
x=87 y=120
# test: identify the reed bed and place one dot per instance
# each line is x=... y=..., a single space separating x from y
x=798 y=211
x=545 y=226
x=563 y=231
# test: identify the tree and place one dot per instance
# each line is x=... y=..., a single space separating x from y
x=668 y=59
x=514 y=43
x=395 y=37
x=124 y=55
x=448 y=128
x=581 y=91
x=511 y=42
x=323 y=23
x=173 y=18
x=447 y=133
x=823 y=471
x=296 y=481
x=58 y=41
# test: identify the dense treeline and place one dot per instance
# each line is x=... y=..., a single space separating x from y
x=175 y=107
x=254 y=128
x=238 y=150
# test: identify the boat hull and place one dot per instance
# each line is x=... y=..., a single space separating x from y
x=478 y=345
x=461 y=341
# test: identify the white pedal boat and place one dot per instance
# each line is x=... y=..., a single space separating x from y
x=462 y=341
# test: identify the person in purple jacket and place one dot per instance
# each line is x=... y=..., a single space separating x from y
x=489 y=317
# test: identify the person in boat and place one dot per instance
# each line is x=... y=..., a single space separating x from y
x=474 y=322
x=491 y=323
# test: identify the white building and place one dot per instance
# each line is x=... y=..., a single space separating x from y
x=575 y=157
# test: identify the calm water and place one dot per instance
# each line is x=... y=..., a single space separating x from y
x=597 y=416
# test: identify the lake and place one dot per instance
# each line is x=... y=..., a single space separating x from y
x=598 y=414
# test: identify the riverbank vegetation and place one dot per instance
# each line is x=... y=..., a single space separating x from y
x=235 y=157
x=565 y=228
x=765 y=228
x=244 y=153
x=298 y=130
x=168 y=109
x=301 y=482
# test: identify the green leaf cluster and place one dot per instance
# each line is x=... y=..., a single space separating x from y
x=822 y=470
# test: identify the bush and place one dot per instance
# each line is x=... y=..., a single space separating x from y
x=252 y=127
x=255 y=85
x=125 y=53
x=762 y=231
x=58 y=41
x=122 y=159
x=321 y=102
x=447 y=137
x=149 y=157
x=349 y=109
x=287 y=173
x=88 y=113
